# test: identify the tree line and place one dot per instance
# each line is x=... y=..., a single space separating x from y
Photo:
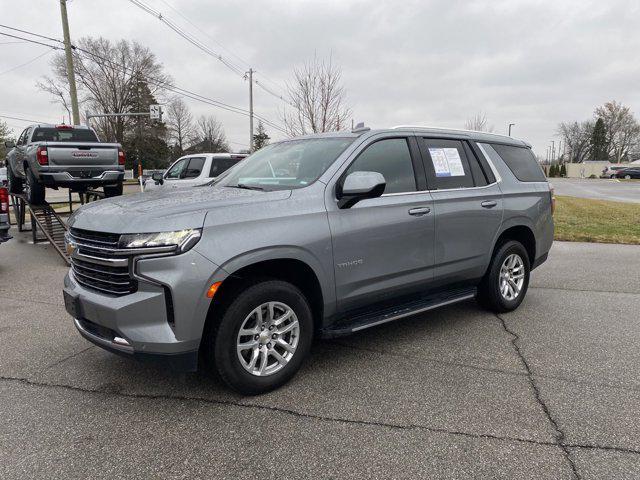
x=126 y=77
x=613 y=134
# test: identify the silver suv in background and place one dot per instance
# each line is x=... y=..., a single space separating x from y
x=323 y=235
x=193 y=170
x=63 y=156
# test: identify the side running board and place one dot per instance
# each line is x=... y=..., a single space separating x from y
x=371 y=319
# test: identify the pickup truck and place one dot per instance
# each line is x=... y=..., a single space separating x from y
x=193 y=170
x=63 y=156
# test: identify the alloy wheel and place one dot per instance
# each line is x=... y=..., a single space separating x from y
x=268 y=338
x=511 y=277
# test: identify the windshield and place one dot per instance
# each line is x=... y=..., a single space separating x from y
x=50 y=134
x=287 y=165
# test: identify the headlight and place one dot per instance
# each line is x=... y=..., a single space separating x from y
x=183 y=240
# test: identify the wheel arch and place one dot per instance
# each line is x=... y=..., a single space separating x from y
x=286 y=264
x=520 y=232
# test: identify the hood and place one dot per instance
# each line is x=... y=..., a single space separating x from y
x=164 y=209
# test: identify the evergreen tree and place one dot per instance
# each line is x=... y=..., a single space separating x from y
x=563 y=171
x=599 y=145
x=260 y=138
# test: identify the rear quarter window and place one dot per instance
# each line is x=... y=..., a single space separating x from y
x=520 y=160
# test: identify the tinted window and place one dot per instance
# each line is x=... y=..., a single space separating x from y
x=392 y=159
x=51 y=134
x=176 y=170
x=219 y=165
x=447 y=164
x=520 y=161
x=194 y=168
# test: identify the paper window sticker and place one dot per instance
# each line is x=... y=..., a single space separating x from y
x=440 y=164
x=454 y=161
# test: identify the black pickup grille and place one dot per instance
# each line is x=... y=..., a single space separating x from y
x=91 y=270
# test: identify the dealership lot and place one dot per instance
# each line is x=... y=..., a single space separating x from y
x=548 y=391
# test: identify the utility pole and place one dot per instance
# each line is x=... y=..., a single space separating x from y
x=251 y=110
x=510 y=125
x=553 y=150
x=71 y=76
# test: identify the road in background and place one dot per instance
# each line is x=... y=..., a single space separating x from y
x=550 y=391
x=599 y=189
x=62 y=194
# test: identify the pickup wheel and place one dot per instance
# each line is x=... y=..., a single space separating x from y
x=113 y=190
x=15 y=184
x=263 y=337
x=505 y=284
x=34 y=190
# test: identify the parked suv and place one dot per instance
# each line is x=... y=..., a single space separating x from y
x=194 y=170
x=63 y=156
x=317 y=236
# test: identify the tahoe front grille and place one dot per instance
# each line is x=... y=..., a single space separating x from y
x=98 y=265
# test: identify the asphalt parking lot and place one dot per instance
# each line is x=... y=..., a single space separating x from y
x=551 y=390
x=598 y=189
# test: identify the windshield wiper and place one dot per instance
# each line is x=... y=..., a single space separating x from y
x=247 y=187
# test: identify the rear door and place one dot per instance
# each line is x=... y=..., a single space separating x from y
x=383 y=247
x=221 y=165
x=467 y=205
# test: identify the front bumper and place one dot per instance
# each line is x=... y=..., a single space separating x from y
x=162 y=320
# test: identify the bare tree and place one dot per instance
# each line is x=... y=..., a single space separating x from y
x=622 y=129
x=576 y=137
x=108 y=75
x=180 y=124
x=210 y=135
x=317 y=98
x=478 y=123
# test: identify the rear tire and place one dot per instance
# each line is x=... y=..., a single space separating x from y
x=505 y=284
x=627 y=177
x=34 y=190
x=15 y=184
x=113 y=190
x=256 y=310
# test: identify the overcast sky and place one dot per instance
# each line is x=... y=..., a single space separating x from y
x=430 y=62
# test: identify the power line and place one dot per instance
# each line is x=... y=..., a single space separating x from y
x=22 y=119
x=194 y=41
x=30 y=40
x=236 y=69
x=26 y=63
x=204 y=32
x=161 y=84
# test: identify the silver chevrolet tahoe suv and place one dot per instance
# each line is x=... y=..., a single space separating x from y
x=69 y=156
x=317 y=236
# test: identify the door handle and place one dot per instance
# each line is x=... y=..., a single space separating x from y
x=489 y=203
x=419 y=211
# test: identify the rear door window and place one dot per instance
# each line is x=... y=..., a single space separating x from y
x=447 y=164
x=219 y=165
x=520 y=160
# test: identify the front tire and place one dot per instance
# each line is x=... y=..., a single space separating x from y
x=505 y=284
x=34 y=190
x=15 y=183
x=263 y=337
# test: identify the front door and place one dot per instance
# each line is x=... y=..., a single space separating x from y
x=383 y=247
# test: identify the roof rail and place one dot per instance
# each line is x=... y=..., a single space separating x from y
x=427 y=127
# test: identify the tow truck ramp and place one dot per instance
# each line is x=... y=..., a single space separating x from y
x=46 y=224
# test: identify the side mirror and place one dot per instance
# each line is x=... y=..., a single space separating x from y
x=9 y=143
x=157 y=177
x=360 y=185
